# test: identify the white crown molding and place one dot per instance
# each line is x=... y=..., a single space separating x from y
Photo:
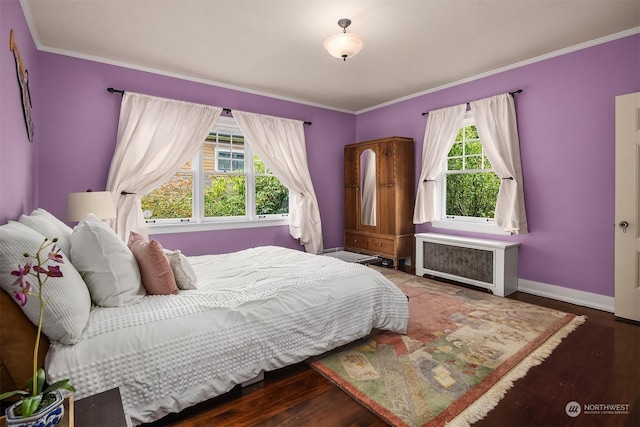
x=573 y=296
x=36 y=39
x=530 y=61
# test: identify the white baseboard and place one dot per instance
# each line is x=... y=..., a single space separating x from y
x=573 y=296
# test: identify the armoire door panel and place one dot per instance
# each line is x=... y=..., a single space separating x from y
x=350 y=172
x=350 y=208
x=387 y=168
x=387 y=206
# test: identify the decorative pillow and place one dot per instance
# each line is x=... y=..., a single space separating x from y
x=67 y=312
x=49 y=226
x=105 y=262
x=157 y=275
x=182 y=270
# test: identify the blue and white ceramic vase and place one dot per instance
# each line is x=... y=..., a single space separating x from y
x=48 y=416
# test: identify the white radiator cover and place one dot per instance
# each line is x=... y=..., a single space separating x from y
x=489 y=264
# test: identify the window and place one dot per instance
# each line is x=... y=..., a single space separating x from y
x=225 y=185
x=468 y=185
x=227 y=161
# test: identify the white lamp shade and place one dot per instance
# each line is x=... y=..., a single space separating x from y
x=343 y=45
x=98 y=203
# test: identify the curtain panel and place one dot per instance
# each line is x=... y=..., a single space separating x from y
x=442 y=126
x=280 y=143
x=495 y=119
x=156 y=136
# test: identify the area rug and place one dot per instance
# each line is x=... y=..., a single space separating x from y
x=462 y=352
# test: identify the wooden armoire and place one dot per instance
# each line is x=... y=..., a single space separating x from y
x=379 y=198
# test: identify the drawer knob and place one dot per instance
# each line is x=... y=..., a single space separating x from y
x=380 y=244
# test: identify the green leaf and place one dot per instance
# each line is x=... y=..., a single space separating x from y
x=13 y=393
x=41 y=378
x=30 y=404
x=64 y=384
x=39 y=381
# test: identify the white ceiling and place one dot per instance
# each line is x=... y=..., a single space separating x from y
x=275 y=47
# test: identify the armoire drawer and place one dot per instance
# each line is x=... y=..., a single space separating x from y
x=385 y=246
x=356 y=241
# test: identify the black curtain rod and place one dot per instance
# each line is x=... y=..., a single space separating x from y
x=510 y=93
x=224 y=110
x=230 y=113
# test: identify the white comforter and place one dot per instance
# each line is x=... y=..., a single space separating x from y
x=255 y=310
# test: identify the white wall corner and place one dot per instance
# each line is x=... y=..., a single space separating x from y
x=573 y=296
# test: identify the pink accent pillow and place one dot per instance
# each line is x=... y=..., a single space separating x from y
x=157 y=275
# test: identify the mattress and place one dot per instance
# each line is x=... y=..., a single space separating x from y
x=255 y=310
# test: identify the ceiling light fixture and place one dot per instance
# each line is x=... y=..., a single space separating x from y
x=343 y=45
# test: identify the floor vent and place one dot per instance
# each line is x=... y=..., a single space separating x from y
x=489 y=264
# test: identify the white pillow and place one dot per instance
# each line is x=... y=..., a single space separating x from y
x=49 y=226
x=67 y=312
x=106 y=264
x=182 y=270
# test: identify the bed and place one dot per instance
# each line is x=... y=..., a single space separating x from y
x=253 y=311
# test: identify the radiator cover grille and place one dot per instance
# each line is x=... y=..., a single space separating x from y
x=475 y=264
x=489 y=264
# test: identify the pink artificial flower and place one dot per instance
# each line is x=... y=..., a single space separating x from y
x=55 y=255
x=21 y=295
x=21 y=273
x=53 y=270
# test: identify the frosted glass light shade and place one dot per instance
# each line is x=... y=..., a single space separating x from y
x=343 y=45
x=98 y=203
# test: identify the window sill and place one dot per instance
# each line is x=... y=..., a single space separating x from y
x=474 y=227
x=211 y=226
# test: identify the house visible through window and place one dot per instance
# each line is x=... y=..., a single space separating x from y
x=226 y=182
x=469 y=186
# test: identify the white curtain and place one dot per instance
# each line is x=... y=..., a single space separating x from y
x=442 y=126
x=495 y=119
x=156 y=136
x=280 y=144
x=368 y=214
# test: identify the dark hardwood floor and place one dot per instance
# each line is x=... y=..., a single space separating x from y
x=597 y=364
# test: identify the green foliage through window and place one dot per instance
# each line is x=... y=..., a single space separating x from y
x=171 y=200
x=471 y=185
x=472 y=194
x=225 y=196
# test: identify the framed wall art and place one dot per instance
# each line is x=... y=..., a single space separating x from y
x=23 y=81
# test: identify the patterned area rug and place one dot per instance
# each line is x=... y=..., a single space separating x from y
x=462 y=352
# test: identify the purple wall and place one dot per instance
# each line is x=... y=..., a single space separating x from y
x=565 y=116
x=80 y=119
x=566 y=126
x=18 y=167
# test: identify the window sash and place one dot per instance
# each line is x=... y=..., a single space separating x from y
x=441 y=180
x=225 y=126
